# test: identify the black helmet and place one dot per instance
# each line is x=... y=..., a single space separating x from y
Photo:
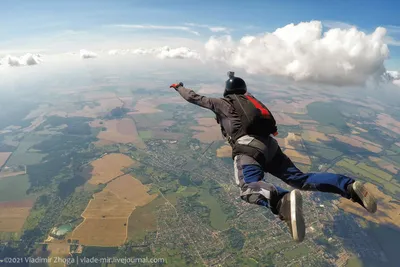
x=235 y=85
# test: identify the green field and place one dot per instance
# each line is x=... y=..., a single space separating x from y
x=354 y=262
x=327 y=114
x=23 y=155
x=143 y=220
x=375 y=171
x=217 y=216
x=14 y=188
x=323 y=152
x=145 y=135
x=366 y=174
x=297 y=252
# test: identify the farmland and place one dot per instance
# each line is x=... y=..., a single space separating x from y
x=14 y=188
x=208 y=131
x=109 y=167
x=106 y=216
x=297 y=156
x=119 y=131
x=224 y=151
x=13 y=215
x=388 y=211
x=359 y=142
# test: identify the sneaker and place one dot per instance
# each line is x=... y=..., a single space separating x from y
x=360 y=194
x=290 y=209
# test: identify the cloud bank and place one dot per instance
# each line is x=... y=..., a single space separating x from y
x=304 y=53
x=167 y=52
x=156 y=27
x=393 y=76
x=25 y=60
x=85 y=54
x=210 y=28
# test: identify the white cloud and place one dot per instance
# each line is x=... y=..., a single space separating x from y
x=391 y=41
x=167 y=52
x=304 y=53
x=156 y=27
x=118 y=51
x=211 y=28
x=25 y=60
x=392 y=76
x=85 y=54
x=332 y=24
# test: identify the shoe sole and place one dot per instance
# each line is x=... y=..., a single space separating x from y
x=296 y=214
x=366 y=197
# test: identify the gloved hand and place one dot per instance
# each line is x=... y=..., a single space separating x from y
x=176 y=85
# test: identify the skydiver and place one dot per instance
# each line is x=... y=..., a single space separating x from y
x=250 y=127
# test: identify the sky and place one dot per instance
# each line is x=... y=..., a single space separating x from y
x=58 y=27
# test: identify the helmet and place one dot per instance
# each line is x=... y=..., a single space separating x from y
x=235 y=85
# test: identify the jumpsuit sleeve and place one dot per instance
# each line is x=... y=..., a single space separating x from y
x=200 y=100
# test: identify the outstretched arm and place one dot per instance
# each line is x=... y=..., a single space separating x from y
x=194 y=98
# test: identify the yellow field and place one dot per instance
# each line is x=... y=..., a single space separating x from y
x=3 y=157
x=224 y=151
x=209 y=130
x=13 y=215
x=130 y=189
x=119 y=131
x=388 y=211
x=314 y=136
x=106 y=216
x=109 y=232
x=109 y=167
x=298 y=157
x=57 y=250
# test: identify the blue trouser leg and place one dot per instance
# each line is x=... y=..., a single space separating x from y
x=282 y=167
x=249 y=176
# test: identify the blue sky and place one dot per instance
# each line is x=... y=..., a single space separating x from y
x=25 y=23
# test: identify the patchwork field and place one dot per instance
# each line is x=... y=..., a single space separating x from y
x=13 y=215
x=388 y=122
x=297 y=156
x=388 y=210
x=314 y=136
x=106 y=216
x=284 y=119
x=3 y=157
x=357 y=141
x=149 y=106
x=91 y=109
x=119 y=131
x=224 y=151
x=208 y=131
x=109 y=167
x=375 y=175
x=299 y=106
